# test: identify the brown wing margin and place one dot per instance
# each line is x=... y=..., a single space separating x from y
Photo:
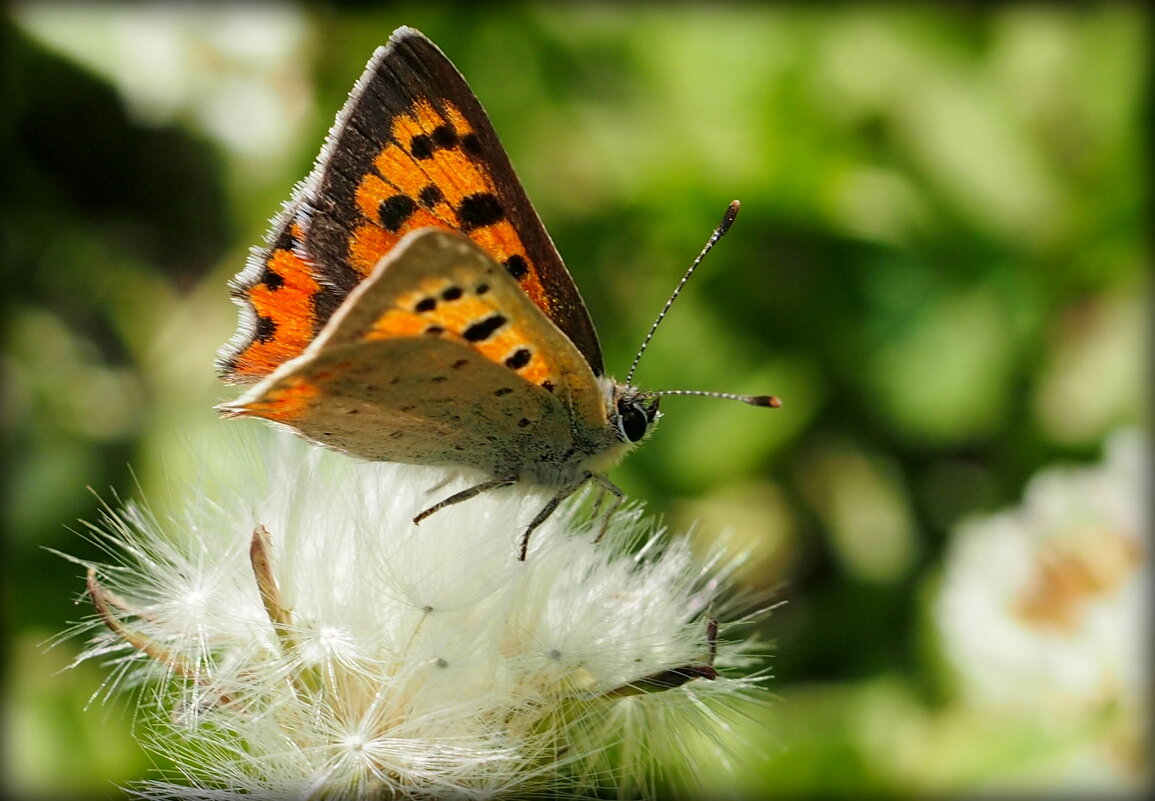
x=367 y=142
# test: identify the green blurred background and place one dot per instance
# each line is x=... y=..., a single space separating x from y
x=940 y=267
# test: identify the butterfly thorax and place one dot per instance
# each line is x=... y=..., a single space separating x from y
x=629 y=417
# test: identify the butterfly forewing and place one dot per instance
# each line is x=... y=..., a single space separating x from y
x=412 y=149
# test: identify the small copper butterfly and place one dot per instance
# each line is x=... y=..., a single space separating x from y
x=409 y=306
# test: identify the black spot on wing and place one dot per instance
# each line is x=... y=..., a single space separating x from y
x=444 y=136
x=518 y=359
x=266 y=329
x=395 y=211
x=421 y=147
x=517 y=266
x=430 y=196
x=471 y=144
x=272 y=280
x=479 y=210
x=484 y=329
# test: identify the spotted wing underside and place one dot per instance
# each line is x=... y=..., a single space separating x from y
x=411 y=149
x=437 y=358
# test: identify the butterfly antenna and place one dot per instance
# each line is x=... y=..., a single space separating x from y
x=722 y=228
x=769 y=401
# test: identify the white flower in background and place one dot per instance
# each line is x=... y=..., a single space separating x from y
x=1043 y=610
x=296 y=636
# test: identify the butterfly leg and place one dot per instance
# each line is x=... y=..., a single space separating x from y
x=544 y=514
x=612 y=488
x=599 y=499
x=466 y=494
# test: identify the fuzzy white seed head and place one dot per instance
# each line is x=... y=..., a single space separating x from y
x=300 y=637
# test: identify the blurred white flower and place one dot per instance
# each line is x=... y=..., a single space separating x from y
x=296 y=636
x=1043 y=614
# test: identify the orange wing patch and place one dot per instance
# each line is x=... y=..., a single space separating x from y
x=431 y=174
x=468 y=315
x=289 y=402
x=282 y=301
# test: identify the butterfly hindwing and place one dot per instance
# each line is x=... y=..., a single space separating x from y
x=278 y=295
x=411 y=149
x=428 y=360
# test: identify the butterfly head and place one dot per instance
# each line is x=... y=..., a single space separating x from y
x=633 y=414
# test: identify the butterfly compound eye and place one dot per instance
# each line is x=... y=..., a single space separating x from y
x=634 y=418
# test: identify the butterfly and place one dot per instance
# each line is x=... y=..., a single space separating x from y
x=409 y=306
